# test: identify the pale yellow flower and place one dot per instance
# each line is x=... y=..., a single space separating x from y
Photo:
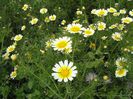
x=52 y=17
x=18 y=37
x=101 y=12
x=116 y=14
x=43 y=10
x=117 y=36
x=123 y=11
x=79 y=12
x=63 y=22
x=14 y=57
x=74 y=28
x=46 y=19
x=88 y=32
x=121 y=72
x=127 y=20
x=34 y=21
x=6 y=56
x=25 y=7
x=101 y=26
x=131 y=13
x=23 y=28
x=11 y=48
x=13 y=74
x=112 y=10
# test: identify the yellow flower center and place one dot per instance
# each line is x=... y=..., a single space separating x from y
x=88 y=32
x=62 y=44
x=121 y=72
x=75 y=29
x=65 y=72
x=101 y=13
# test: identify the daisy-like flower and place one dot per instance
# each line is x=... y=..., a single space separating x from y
x=64 y=71
x=63 y=22
x=121 y=72
x=18 y=37
x=101 y=12
x=13 y=74
x=113 y=26
x=79 y=12
x=25 y=7
x=127 y=20
x=14 y=57
x=61 y=44
x=123 y=11
x=43 y=10
x=88 y=32
x=112 y=10
x=74 y=28
x=11 y=48
x=52 y=17
x=116 y=14
x=121 y=62
x=6 y=56
x=34 y=21
x=117 y=36
x=23 y=28
x=93 y=11
x=131 y=13
x=101 y=26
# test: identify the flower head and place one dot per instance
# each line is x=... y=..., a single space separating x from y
x=101 y=12
x=18 y=37
x=121 y=62
x=64 y=71
x=13 y=74
x=121 y=72
x=117 y=36
x=11 y=48
x=34 y=21
x=23 y=28
x=131 y=13
x=101 y=26
x=25 y=7
x=127 y=20
x=88 y=32
x=62 y=44
x=74 y=28
x=52 y=17
x=43 y=10
x=112 y=10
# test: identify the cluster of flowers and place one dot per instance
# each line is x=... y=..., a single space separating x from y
x=9 y=53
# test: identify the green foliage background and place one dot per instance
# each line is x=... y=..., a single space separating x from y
x=34 y=79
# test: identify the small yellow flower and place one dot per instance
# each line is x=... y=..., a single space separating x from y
x=25 y=7
x=43 y=10
x=105 y=77
x=63 y=22
x=127 y=20
x=122 y=11
x=112 y=10
x=113 y=26
x=46 y=19
x=74 y=28
x=18 y=37
x=52 y=17
x=34 y=21
x=93 y=11
x=79 y=12
x=48 y=44
x=88 y=32
x=121 y=62
x=92 y=26
x=101 y=12
x=131 y=13
x=23 y=28
x=120 y=26
x=121 y=72
x=101 y=26
x=14 y=57
x=68 y=50
x=117 y=36
x=116 y=14
x=11 y=48
x=13 y=74
x=6 y=56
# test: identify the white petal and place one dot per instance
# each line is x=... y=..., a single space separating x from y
x=66 y=62
x=65 y=80
x=59 y=80
x=70 y=78
x=61 y=63
x=74 y=67
x=70 y=64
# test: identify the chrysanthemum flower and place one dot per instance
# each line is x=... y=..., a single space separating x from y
x=61 y=44
x=74 y=28
x=52 y=17
x=43 y=10
x=14 y=57
x=117 y=36
x=34 y=21
x=88 y=32
x=79 y=12
x=112 y=10
x=127 y=20
x=18 y=37
x=101 y=26
x=116 y=14
x=101 y=12
x=63 y=22
x=121 y=72
x=13 y=74
x=6 y=55
x=123 y=11
x=64 y=71
x=11 y=48
x=121 y=62
x=25 y=7
x=131 y=13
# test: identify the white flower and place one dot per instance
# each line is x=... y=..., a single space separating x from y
x=52 y=17
x=64 y=71
x=23 y=28
x=101 y=26
x=78 y=12
x=25 y=7
x=18 y=37
x=74 y=28
x=122 y=11
x=121 y=62
x=11 y=48
x=34 y=21
x=61 y=44
x=127 y=20
x=112 y=10
x=88 y=32
x=93 y=11
x=101 y=12
x=121 y=72
x=131 y=13
x=117 y=36
x=43 y=10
